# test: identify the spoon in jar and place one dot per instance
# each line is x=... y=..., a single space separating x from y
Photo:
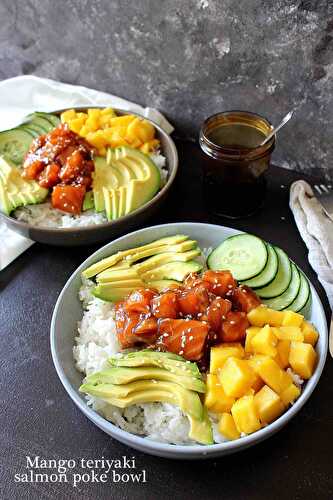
x=276 y=129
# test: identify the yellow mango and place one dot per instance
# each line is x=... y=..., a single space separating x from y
x=262 y=315
x=97 y=139
x=122 y=121
x=108 y=111
x=236 y=377
x=302 y=359
x=141 y=129
x=290 y=394
x=310 y=333
x=94 y=113
x=227 y=426
x=145 y=148
x=264 y=342
x=68 y=115
x=283 y=348
x=219 y=354
x=250 y=333
x=92 y=124
x=76 y=124
x=289 y=333
x=292 y=318
x=84 y=131
x=268 y=404
x=273 y=375
x=245 y=415
x=102 y=152
x=216 y=399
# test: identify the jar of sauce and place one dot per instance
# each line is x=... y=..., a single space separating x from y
x=234 y=163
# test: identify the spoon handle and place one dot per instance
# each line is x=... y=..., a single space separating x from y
x=276 y=129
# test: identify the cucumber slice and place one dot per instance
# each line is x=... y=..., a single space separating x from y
x=31 y=131
x=244 y=255
x=269 y=272
x=286 y=298
x=43 y=124
x=303 y=295
x=14 y=144
x=54 y=120
x=282 y=279
x=37 y=128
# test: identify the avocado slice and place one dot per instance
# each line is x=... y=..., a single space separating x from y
x=15 y=191
x=164 y=258
x=123 y=375
x=161 y=285
x=147 y=391
x=110 y=261
x=88 y=201
x=110 y=293
x=179 y=248
x=174 y=364
x=201 y=430
x=122 y=201
x=116 y=274
x=172 y=271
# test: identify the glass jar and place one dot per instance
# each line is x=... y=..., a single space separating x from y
x=234 y=163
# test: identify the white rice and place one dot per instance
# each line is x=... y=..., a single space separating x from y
x=44 y=215
x=95 y=343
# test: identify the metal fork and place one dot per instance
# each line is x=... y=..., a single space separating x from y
x=324 y=194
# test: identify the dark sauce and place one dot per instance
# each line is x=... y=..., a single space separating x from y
x=235 y=186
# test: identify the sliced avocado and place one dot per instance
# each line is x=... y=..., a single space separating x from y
x=103 y=264
x=109 y=293
x=123 y=375
x=172 y=271
x=103 y=177
x=107 y=195
x=116 y=274
x=148 y=391
x=88 y=202
x=131 y=283
x=164 y=258
x=16 y=191
x=174 y=364
x=161 y=285
x=179 y=248
x=201 y=430
x=122 y=201
x=114 y=193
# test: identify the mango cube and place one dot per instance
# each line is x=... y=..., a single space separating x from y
x=250 y=333
x=283 y=348
x=310 y=333
x=273 y=375
x=245 y=415
x=236 y=377
x=67 y=116
x=216 y=399
x=219 y=355
x=269 y=405
x=290 y=394
x=263 y=315
x=292 y=318
x=302 y=359
x=227 y=426
x=289 y=333
x=97 y=139
x=265 y=342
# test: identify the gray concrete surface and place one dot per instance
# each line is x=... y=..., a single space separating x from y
x=190 y=58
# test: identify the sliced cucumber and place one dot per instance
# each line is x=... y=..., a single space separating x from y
x=269 y=272
x=42 y=123
x=282 y=279
x=286 y=298
x=14 y=144
x=303 y=295
x=54 y=120
x=37 y=128
x=244 y=255
x=31 y=131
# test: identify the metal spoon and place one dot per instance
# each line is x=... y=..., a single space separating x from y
x=283 y=122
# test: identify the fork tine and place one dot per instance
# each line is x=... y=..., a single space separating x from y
x=317 y=188
x=324 y=188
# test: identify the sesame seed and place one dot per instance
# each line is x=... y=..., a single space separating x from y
x=191 y=337
x=232 y=322
x=181 y=352
x=229 y=286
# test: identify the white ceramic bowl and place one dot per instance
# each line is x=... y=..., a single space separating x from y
x=68 y=311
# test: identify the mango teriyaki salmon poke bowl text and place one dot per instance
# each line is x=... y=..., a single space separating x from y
x=188 y=350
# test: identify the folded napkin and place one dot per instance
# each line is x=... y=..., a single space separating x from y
x=316 y=229
x=24 y=94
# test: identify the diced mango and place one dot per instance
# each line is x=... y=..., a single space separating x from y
x=292 y=318
x=145 y=148
x=84 y=131
x=250 y=333
x=302 y=359
x=245 y=415
x=97 y=139
x=76 y=124
x=151 y=145
x=255 y=360
x=108 y=112
x=68 y=115
x=310 y=333
x=263 y=315
x=269 y=405
x=220 y=353
x=227 y=426
x=264 y=342
x=283 y=348
x=289 y=333
x=289 y=395
x=216 y=399
x=273 y=375
x=236 y=377
x=122 y=121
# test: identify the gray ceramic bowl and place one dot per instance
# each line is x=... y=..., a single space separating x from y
x=97 y=233
x=68 y=312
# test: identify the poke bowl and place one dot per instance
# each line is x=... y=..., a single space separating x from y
x=248 y=389
x=83 y=175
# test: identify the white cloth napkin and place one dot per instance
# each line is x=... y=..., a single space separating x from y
x=24 y=94
x=316 y=229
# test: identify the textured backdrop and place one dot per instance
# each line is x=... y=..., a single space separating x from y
x=190 y=58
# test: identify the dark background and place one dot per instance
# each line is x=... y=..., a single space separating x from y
x=190 y=58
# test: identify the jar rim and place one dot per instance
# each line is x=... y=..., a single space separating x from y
x=212 y=148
